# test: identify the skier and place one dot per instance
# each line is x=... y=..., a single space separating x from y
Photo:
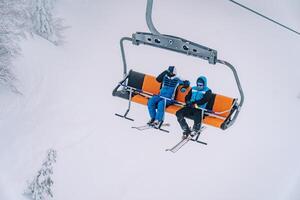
x=196 y=99
x=156 y=104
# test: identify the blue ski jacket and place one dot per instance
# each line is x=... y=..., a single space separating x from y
x=200 y=96
x=169 y=85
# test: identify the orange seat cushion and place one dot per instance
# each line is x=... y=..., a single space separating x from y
x=181 y=94
x=221 y=104
x=173 y=109
x=140 y=99
x=150 y=85
x=213 y=121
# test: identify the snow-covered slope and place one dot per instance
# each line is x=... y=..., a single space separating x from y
x=67 y=105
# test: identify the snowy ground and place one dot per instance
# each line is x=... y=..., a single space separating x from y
x=67 y=105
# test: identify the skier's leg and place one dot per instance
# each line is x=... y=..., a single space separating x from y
x=152 y=103
x=180 y=114
x=197 y=117
x=160 y=110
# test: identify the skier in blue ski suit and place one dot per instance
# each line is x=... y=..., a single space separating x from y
x=168 y=89
x=196 y=99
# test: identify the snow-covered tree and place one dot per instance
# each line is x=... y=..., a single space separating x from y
x=18 y=17
x=14 y=21
x=44 y=23
x=40 y=186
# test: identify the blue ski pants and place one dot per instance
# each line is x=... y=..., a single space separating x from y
x=156 y=102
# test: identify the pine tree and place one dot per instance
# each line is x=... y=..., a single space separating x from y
x=44 y=23
x=40 y=186
x=14 y=21
x=18 y=17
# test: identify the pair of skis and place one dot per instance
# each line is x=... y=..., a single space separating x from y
x=192 y=137
x=145 y=127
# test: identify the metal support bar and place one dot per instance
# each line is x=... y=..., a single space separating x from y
x=208 y=112
x=240 y=104
x=123 y=54
x=160 y=129
x=200 y=125
x=128 y=109
x=149 y=18
x=198 y=134
x=121 y=83
x=165 y=106
x=236 y=79
x=176 y=44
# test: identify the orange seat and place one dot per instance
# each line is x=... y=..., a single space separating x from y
x=213 y=121
x=140 y=99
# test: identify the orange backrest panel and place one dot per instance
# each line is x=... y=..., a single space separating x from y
x=180 y=96
x=221 y=104
x=151 y=85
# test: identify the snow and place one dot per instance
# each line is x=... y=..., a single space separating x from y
x=67 y=105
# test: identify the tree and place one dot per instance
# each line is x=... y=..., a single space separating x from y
x=13 y=26
x=44 y=23
x=18 y=17
x=40 y=186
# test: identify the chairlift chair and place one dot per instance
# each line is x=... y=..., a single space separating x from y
x=221 y=112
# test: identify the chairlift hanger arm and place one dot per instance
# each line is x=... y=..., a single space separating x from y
x=182 y=46
x=172 y=43
x=149 y=18
x=123 y=54
x=236 y=79
x=175 y=44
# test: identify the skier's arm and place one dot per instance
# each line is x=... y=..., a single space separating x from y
x=185 y=83
x=205 y=98
x=188 y=97
x=161 y=76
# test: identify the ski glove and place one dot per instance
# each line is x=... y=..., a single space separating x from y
x=189 y=104
x=186 y=83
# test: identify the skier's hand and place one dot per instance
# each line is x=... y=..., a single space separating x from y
x=189 y=104
x=186 y=83
x=168 y=73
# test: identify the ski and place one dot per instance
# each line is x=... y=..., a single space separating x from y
x=145 y=127
x=182 y=142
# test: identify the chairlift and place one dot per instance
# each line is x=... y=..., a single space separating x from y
x=221 y=111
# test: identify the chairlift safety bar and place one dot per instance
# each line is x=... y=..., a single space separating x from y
x=209 y=112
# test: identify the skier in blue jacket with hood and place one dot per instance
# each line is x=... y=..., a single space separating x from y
x=156 y=104
x=196 y=99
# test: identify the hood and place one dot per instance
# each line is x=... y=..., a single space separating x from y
x=202 y=79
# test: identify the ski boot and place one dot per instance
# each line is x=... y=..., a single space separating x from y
x=157 y=124
x=151 y=122
x=186 y=133
x=196 y=129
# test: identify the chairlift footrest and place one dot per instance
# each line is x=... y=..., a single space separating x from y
x=122 y=116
